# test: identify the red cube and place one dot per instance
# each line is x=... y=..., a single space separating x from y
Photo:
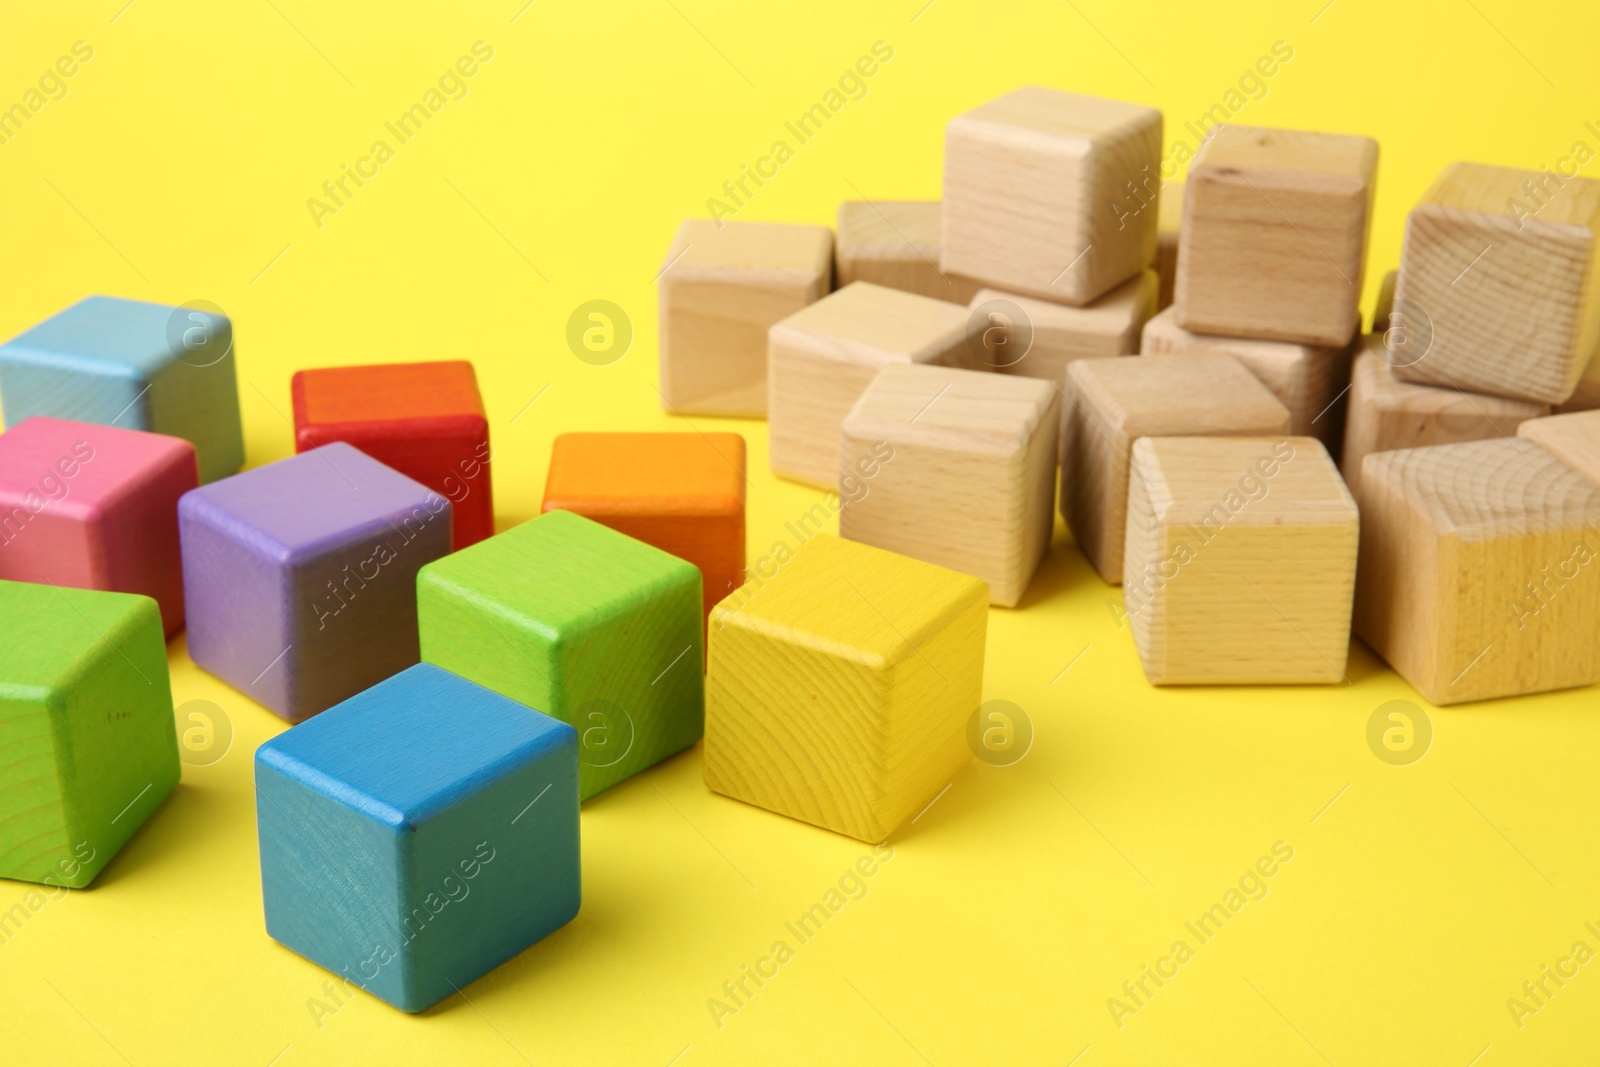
x=425 y=420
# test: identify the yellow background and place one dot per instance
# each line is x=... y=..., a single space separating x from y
x=178 y=167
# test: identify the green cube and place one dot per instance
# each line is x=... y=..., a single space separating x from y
x=582 y=623
x=87 y=743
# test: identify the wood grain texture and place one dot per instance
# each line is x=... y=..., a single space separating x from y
x=895 y=244
x=722 y=286
x=965 y=471
x=1111 y=403
x=1480 y=569
x=1240 y=561
x=1308 y=380
x=583 y=623
x=839 y=689
x=90 y=750
x=1274 y=239
x=1572 y=438
x=418 y=835
x=821 y=358
x=1385 y=413
x=1042 y=191
x=1510 y=295
x=1110 y=326
x=1169 y=219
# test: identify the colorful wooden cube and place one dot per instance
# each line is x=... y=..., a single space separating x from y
x=135 y=365
x=895 y=244
x=300 y=576
x=584 y=623
x=86 y=728
x=1240 y=561
x=1573 y=438
x=822 y=357
x=1051 y=194
x=840 y=689
x=1110 y=403
x=1498 y=264
x=1478 y=573
x=681 y=492
x=425 y=420
x=1274 y=243
x=722 y=286
x=94 y=507
x=959 y=468
x=1057 y=334
x=418 y=835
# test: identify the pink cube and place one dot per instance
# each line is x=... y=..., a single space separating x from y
x=95 y=507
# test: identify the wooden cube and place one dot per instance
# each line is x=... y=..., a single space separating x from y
x=895 y=244
x=821 y=358
x=1057 y=334
x=86 y=728
x=722 y=286
x=1384 y=309
x=963 y=471
x=139 y=366
x=1051 y=194
x=1501 y=267
x=94 y=507
x=583 y=623
x=840 y=688
x=1586 y=397
x=1478 y=569
x=300 y=577
x=418 y=835
x=1274 y=241
x=1169 y=218
x=1573 y=438
x=1308 y=380
x=1110 y=403
x=1240 y=561
x=425 y=420
x=681 y=492
x=1385 y=413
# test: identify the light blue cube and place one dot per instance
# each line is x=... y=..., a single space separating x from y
x=418 y=835
x=136 y=365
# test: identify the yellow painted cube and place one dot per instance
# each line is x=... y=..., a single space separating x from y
x=838 y=690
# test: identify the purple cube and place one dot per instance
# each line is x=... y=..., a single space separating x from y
x=300 y=577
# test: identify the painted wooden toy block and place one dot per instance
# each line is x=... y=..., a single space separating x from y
x=839 y=690
x=1110 y=403
x=959 y=468
x=135 y=365
x=722 y=286
x=681 y=492
x=1169 y=218
x=94 y=507
x=1385 y=413
x=418 y=835
x=1308 y=380
x=821 y=358
x=1056 y=334
x=425 y=420
x=1573 y=438
x=1275 y=226
x=299 y=577
x=589 y=625
x=1051 y=194
x=1478 y=569
x=86 y=729
x=895 y=244
x=1501 y=269
x=1240 y=561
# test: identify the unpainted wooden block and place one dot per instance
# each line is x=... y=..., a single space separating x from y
x=822 y=357
x=1384 y=413
x=1170 y=222
x=722 y=286
x=965 y=471
x=1502 y=270
x=1308 y=380
x=1384 y=308
x=1572 y=438
x=1050 y=194
x=1586 y=397
x=1274 y=240
x=895 y=244
x=839 y=690
x=1111 y=403
x=1240 y=561
x=1479 y=573
x=1057 y=334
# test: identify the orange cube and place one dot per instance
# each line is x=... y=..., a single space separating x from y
x=681 y=492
